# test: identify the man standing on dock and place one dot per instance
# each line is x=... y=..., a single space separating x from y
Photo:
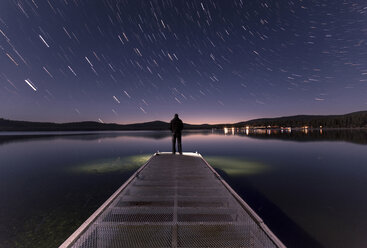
x=176 y=127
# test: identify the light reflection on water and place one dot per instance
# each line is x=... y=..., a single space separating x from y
x=308 y=192
x=111 y=165
x=237 y=166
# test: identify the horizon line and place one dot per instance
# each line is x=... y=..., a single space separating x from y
x=192 y=123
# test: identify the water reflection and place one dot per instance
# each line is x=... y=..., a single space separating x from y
x=358 y=136
x=307 y=192
x=9 y=137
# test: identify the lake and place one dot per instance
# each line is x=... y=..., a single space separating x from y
x=308 y=186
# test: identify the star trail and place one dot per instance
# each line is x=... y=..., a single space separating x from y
x=210 y=61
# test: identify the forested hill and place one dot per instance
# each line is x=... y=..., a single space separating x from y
x=356 y=119
x=10 y=125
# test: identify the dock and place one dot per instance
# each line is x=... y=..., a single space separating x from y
x=174 y=201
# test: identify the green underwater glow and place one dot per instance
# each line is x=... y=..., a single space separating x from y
x=112 y=165
x=236 y=166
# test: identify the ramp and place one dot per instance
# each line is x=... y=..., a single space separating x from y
x=174 y=201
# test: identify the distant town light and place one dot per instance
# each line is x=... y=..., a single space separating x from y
x=225 y=130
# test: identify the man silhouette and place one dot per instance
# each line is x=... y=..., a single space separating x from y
x=176 y=127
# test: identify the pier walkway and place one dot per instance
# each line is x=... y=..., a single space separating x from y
x=174 y=201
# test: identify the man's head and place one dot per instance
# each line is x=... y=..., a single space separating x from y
x=176 y=115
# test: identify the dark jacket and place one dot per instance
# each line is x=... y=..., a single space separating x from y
x=176 y=125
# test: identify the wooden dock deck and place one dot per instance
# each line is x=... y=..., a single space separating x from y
x=174 y=201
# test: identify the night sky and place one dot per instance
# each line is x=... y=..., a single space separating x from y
x=210 y=61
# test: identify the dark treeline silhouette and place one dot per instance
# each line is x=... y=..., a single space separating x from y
x=352 y=120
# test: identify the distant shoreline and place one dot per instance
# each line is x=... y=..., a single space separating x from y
x=87 y=132
x=356 y=120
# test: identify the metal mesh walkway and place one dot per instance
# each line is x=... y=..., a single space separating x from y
x=174 y=201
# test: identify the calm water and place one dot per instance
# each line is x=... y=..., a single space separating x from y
x=308 y=188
